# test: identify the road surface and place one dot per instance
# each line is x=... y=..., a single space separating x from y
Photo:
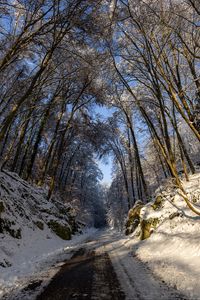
x=102 y=268
x=106 y=269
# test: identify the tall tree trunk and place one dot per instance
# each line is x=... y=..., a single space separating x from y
x=21 y=140
x=43 y=122
x=131 y=166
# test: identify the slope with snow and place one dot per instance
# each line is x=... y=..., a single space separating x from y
x=32 y=228
x=173 y=250
x=29 y=245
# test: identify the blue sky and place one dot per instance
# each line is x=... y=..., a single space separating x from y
x=103 y=111
x=105 y=165
x=106 y=169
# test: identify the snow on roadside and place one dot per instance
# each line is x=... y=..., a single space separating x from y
x=32 y=261
x=173 y=250
x=29 y=237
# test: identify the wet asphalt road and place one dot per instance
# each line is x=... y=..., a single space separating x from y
x=85 y=276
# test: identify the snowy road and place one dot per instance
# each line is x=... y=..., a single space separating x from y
x=102 y=268
x=85 y=276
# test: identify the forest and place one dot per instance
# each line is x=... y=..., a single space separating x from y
x=59 y=60
x=86 y=82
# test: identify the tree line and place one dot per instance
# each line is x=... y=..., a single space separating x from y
x=58 y=59
x=154 y=50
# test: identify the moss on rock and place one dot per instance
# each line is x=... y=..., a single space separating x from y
x=158 y=202
x=63 y=231
x=71 y=215
x=6 y=226
x=174 y=215
x=146 y=227
x=40 y=225
x=133 y=218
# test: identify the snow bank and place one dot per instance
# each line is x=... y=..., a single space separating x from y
x=173 y=249
x=33 y=259
x=27 y=239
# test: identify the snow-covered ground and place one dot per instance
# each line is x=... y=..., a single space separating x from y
x=144 y=278
x=29 y=244
x=39 y=261
x=173 y=250
x=171 y=254
x=136 y=279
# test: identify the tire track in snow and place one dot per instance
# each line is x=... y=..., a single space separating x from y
x=138 y=282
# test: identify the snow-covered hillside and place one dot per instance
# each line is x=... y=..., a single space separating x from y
x=172 y=251
x=34 y=233
x=29 y=221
